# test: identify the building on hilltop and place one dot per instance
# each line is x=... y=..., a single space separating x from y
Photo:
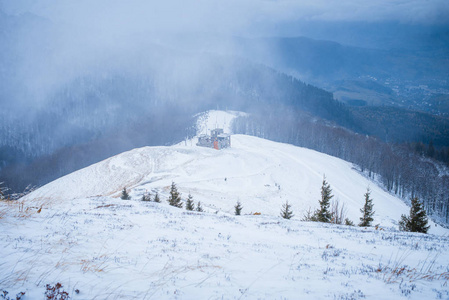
x=217 y=139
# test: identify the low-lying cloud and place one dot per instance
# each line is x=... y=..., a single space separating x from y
x=75 y=36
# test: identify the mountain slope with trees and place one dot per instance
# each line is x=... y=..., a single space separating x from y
x=399 y=169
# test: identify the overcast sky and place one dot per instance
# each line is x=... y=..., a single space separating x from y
x=226 y=16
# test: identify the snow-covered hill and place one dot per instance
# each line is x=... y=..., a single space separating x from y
x=77 y=231
x=261 y=174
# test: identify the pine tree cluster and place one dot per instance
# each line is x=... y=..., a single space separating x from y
x=417 y=221
x=146 y=197
x=337 y=215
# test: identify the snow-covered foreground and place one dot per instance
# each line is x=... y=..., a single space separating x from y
x=115 y=249
x=77 y=231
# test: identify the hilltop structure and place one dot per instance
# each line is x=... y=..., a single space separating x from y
x=217 y=139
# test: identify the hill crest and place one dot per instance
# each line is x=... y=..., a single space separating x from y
x=261 y=174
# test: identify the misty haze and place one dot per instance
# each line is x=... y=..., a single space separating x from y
x=106 y=104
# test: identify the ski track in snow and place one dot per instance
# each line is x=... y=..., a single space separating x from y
x=87 y=238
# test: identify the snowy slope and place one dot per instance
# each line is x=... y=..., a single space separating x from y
x=77 y=231
x=261 y=174
x=113 y=249
x=216 y=119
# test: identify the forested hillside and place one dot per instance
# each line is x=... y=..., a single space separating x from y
x=398 y=168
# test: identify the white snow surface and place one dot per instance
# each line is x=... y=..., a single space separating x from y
x=77 y=231
x=216 y=119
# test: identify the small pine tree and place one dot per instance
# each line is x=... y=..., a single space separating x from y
x=189 y=204
x=417 y=221
x=156 y=198
x=198 y=207
x=238 y=208
x=324 y=214
x=2 y=195
x=175 y=197
x=125 y=195
x=367 y=210
x=286 y=212
x=349 y=222
x=146 y=197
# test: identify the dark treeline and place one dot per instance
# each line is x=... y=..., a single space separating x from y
x=429 y=150
x=400 y=170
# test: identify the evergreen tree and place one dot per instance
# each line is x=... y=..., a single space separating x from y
x=238 y=208
x=2 y=191
x=198 y=207
x=156 y=198
x=189 y=204
x=417 y=221
x=367 y=211
x=175 y=197
x=125 y=195
x=286 y=212
x=146 y=197
x=349 y=222
x=324 y=214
